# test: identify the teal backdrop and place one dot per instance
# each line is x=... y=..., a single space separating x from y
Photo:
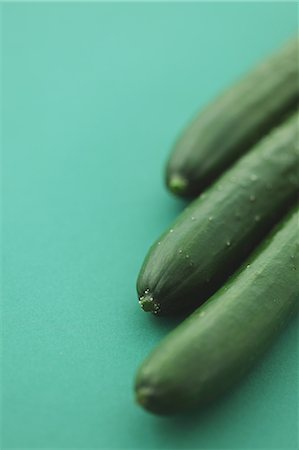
x=93 y=96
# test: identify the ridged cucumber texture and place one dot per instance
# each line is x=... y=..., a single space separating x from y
x=234 y=122
x=218 y=343
x=211 y=238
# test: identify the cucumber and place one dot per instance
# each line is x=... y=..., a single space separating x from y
x=234 y=122
x=217 y=344
x=211 y=238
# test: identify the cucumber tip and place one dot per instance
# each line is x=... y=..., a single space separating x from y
x=148 y=304
x=143 y=396
x=177 y=184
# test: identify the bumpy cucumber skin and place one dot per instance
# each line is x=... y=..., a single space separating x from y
x=218 y=343
x=217 y=231
x=234 y=122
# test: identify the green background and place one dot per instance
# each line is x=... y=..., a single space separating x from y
x=93 y=97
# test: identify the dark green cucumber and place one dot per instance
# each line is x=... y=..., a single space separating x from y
x=234 y=122
x=218 y=343
x=217 y=231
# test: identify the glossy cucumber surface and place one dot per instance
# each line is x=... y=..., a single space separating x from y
x=217 y=344
x=234 y=122
x=212 y=237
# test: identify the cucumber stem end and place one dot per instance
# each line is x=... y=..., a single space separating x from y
x=143 y=396
x=177 y=184
x=148 y=304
